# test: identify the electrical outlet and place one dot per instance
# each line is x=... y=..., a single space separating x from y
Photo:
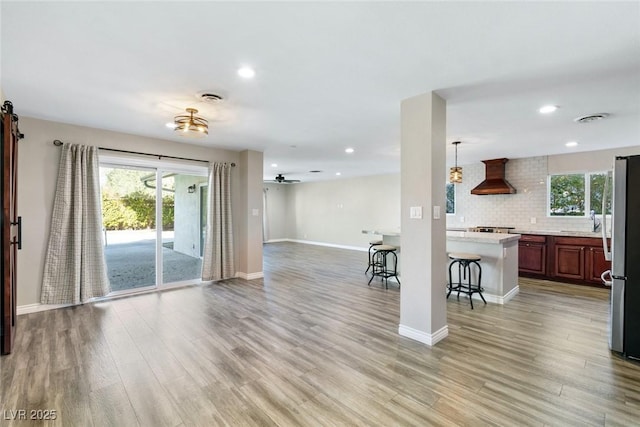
x=461 y=219
x=533 y=220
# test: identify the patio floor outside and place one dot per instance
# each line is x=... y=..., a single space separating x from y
x=131 y=257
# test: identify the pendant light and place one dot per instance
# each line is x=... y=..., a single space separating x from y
x=455 y=173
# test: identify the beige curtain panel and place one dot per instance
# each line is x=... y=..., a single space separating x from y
x=75 y=269
x=217 y=262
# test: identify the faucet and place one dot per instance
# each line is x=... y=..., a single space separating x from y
x=596 y=223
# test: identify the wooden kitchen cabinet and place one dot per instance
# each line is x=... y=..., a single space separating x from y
x=577 y=260
x=596 y=264
x=569 y=261
x=532 y=254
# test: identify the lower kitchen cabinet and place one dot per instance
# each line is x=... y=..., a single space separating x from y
x=569 y=261
x=532 y=254
x=566 y=259
x=596 y=264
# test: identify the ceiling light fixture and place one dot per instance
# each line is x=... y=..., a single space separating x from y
x=274 y=165
x=246 y=72
x=571 y=144
x=455 y=173
x=338 y=174
x=349 y=150
x=548 y=109
x=191 y=125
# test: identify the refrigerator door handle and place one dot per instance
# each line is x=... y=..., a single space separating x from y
x=607 y=282
x=603 y=229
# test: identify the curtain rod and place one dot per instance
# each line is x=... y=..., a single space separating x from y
x=58 y=143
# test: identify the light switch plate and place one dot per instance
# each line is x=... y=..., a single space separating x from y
x=415 y=212
x=436 y=212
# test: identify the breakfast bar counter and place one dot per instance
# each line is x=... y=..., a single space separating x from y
x=499 y=252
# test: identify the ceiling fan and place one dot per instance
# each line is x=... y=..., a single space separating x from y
x=281 y=179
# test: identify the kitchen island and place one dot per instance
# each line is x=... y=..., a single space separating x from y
x=499 y=252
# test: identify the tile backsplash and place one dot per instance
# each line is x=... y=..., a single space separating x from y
x=529 y=177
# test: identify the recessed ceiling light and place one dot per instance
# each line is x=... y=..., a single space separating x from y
x=349 y=150
x=274 y=165
x=548 y=109
x=171 y=125
x=571 y=144
x=338 y=173
x=246 y=72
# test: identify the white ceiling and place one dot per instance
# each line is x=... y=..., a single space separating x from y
x=332 y=75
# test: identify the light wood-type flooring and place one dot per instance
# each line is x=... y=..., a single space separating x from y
x=313 y=345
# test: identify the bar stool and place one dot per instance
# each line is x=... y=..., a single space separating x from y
x=464 y=262
x=380 y=267
x=371 y=245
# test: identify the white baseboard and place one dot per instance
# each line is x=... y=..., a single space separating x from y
x=249 y=276
x=509 y=295
x=330 y=245
x=35 y=308
x=423 y=337
x=275 y=240
x=497 y=299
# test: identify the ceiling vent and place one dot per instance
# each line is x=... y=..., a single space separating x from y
x=211 y=98
x=494 y=182
x=591 y=118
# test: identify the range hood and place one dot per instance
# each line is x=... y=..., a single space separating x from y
x=494 y=182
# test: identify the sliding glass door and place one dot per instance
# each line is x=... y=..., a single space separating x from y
x=129 y=226
x=152 y=233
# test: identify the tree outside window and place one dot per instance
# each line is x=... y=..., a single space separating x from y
x=597 y=190
x=568 y=194
x=451 y=198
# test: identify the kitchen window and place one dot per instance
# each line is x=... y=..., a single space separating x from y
x=451 y=198
x=576 y=195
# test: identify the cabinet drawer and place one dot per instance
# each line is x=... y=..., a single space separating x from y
x=533 y=238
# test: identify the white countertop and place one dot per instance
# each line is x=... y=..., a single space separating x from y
x=394 y=233
x=567 y=233
x=475 y=237
x=459 y=236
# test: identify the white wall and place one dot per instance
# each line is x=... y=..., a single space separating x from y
x=38 y=162
x=278 y=212
x=337 y=211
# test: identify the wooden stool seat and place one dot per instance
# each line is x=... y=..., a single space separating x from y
x=465 y=256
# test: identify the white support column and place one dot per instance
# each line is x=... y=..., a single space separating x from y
x=423 y=310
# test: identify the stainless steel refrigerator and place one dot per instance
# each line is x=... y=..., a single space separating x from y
x=624 y=334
